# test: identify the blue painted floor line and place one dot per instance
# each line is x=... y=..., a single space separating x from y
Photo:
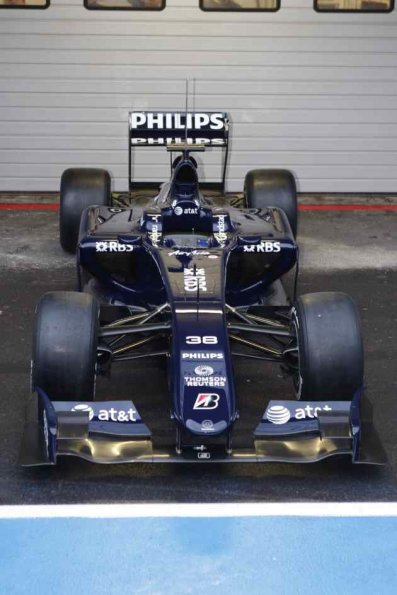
x=241 y=555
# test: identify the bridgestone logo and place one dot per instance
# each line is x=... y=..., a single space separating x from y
x=207 y=401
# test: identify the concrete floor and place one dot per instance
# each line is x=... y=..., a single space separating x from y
x=355 y=252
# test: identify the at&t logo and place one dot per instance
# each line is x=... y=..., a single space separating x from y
x=277 y=414
x=85 y=409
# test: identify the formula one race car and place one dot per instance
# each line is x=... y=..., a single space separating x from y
x=198 y=284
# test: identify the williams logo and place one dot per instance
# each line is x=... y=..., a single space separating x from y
x=206 y=401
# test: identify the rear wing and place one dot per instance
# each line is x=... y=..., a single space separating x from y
x=162 y=129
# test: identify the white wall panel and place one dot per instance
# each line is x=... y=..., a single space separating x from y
x=312 y=92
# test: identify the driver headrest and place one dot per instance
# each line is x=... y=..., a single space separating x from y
x=184 y=181
x=185 y=159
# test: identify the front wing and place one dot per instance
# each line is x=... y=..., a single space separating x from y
x=113 y=432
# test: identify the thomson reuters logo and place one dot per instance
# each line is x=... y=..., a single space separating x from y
x=85 y=408
x=277 y=414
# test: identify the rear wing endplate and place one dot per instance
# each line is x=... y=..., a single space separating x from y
x=164 y=129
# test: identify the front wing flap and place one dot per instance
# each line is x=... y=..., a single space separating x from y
x=113 y=432
x=308 y=431
x=99 y=431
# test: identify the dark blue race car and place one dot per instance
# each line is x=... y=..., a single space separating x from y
x=198 y=283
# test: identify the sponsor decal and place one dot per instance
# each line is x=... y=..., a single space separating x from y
x=46 y=434
x=111 y=414
x=267 y=246
x=202 y=355
x=192 y=253
x=176 y=121
x=294 y=317
x=207 y=425
x=194 y=279
x=206 y=401
x=154 y=234
x=203 y=455
x=158 y=123
x=188 y=211
x=203 y=370
x=211 y=381
x=112 y=246
x=221 y=235
x=214 y=142
x=278 y=414
x=197 y=340
x=82 y=407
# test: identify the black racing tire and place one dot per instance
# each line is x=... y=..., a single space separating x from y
x=80 y=188
x=65 y=346
x=330 y=347
x=273 y=188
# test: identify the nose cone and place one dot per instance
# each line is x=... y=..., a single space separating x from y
x=204 y=393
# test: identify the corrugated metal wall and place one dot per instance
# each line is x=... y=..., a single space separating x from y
x=312 y=92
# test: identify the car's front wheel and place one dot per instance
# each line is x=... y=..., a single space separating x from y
x=330 y=362
x=65 y=346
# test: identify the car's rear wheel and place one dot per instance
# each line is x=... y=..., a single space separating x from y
x=80 y=188
x=330 y=348
x=65 y=346
x=272 y=188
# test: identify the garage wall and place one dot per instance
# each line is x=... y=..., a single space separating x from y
x=312 y=92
